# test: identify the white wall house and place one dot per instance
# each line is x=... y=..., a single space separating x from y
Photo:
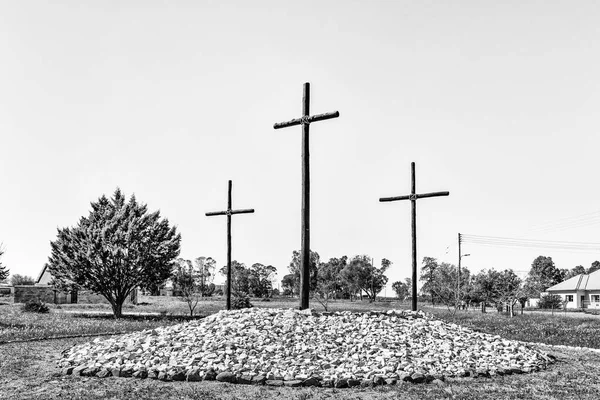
x=581 y=291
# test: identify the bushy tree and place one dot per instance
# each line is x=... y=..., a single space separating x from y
x=3 y=269
x=402 y=289
x=485 y=287
x=294 y=269
x=260 y=279
x=329 y=282
x=509 y=289
x=288 y=285
x=553 y=301
x=205 y=270
x=17 y=279
x=361 y=275
x=594 y=267
x=240 y=278
x=542 y=275
x=440 y=281
x=578 y=270
x=119 y=246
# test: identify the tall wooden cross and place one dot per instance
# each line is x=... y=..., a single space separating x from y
x=229 y=212
x=413 y=196
x=305 y=121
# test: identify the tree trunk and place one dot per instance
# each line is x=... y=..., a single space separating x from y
x=117 y=308
x=483 y=307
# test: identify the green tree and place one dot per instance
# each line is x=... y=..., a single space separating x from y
x=361 y=275
x=542 y=275
x=119 y=246
x=17 y=279
x=3 y=269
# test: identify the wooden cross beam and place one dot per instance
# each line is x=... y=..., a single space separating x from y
x=305 y=121
x=229 y=212
x=413 y=196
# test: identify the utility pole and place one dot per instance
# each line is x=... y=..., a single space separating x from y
x=458 y=274
x=460 y=256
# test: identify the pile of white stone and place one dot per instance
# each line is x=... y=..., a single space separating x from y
x=304 y=348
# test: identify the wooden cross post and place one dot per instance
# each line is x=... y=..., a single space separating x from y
x=305 y=121
x=413 y=196
x=229 y=212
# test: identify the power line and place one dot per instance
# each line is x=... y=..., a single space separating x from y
x=531 y=243
x=578 y=221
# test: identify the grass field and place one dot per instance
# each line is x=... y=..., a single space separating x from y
x=28 y=371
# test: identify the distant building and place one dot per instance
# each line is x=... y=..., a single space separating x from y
x=44 y=277
x=581 y=291
x=45 y=292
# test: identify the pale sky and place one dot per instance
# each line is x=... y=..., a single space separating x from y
x=496 y=102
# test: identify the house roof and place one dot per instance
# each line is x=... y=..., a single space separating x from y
x=41 y=273
x=579 y=282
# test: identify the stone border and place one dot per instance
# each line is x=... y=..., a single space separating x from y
x=195 y=375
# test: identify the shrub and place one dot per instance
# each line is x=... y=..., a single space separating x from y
x=550 y=301
x=36 y=306
x=240 y=300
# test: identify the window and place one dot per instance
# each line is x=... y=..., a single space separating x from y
x=596 y=298
x=569 y=298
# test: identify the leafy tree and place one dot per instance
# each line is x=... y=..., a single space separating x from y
x=509 y=289
x=594 y=267
x=240 y=278
x=186 y=282
x=578 y=270
x=329 y=282
x=485 y=288
x=3 y=269
x=118 y=247
x=361 y=275
x=294 y=269
x=260 y=279
x=17 y=279
x=542 y=275
x=288 y=284
x=440 y=281
x=205 y=270
x=428 y=277
x=402 y=289
x=550 y=301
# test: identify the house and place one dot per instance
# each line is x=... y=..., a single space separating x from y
x=581 y=291
x=44 y=277
x=44 y=291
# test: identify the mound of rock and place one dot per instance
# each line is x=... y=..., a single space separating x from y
x=294 y=348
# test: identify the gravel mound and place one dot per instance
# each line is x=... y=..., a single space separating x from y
x=295 y=348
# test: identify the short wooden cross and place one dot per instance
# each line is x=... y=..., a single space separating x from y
x=229 y=212
x=305 y=121
x=413 y=196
